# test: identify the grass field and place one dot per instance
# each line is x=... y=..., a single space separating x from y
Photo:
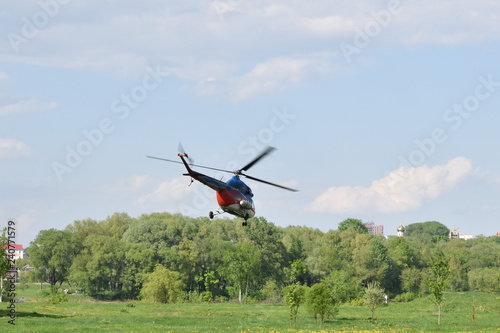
x=81 y=314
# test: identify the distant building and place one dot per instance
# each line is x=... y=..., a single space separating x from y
x=374 y=229
x=15 y=249
x=17 y=252
x=401 y=230
x=466 y=237
x=454 y=234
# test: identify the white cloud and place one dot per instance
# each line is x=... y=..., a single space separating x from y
x=167 y=190
x=448 y=22
x=273 y=75
x=123 y=41
x=25 y=106
x=11 y=148
x=402 y=190
x=277 y=74
x=332 y=25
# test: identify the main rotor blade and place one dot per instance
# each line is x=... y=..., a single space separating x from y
x=163 y=159
x=269 y=183
x=258 y=158
x=195 y=165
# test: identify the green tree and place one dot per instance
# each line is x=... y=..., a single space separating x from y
x=53 y=251
x=241 y=265
x=344 y=287
x=138 y=263
x=438 y=281
x=381 y=266
x=157 y=231
x=319 y=301
x=162 y=285
x=266 y=237
x=100 y=266
x=356 y=224
x=374 y=296
x=294 y=296
x=4 y=258
x=297 y=270
x=426 y=232
x=485 y=279
x=209 y=280
x=402 y=252
x=482 y=252
x=296 y=250
x=411 y=279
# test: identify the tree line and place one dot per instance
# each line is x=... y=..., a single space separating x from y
x=128 y=258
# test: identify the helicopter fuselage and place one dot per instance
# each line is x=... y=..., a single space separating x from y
x=233 y=197
x=238 y=200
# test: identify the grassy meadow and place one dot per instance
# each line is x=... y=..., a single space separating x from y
x=83 y=314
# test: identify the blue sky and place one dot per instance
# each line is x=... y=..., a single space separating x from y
x=385 y=111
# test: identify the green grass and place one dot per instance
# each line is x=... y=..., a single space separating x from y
x=81 y=314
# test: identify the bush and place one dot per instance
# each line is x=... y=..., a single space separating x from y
x=357 y=302
x=405 y=297
x=192 y=297
x=162 y=285
x=41 y=294
x=271 y=292
x=220 y=299
x=57 y=297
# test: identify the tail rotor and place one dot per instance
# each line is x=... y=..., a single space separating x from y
x=181 y=150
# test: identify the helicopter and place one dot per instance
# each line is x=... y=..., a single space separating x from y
x=234 y=196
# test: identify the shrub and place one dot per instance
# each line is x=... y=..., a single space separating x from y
x=162 y=285
x=405 y=297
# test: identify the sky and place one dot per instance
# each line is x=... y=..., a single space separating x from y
x=385 y=111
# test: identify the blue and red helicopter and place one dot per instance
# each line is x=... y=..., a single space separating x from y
x=234 y=197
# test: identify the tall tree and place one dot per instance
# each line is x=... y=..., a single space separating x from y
x=430 y=231
x=105 y=267
x=438 y=281
x=156 y=231
x=411 y=279
x=138 y=262
x=241 y=266
x=53 y=251
x=356 y=224
x=267 y=239
x=297 y=270
x=344 y=287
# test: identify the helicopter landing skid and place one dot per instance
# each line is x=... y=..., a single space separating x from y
x=211 y=214
x=245 y=223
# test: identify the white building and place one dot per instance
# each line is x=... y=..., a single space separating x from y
x=401 y=230
x=15 y=249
